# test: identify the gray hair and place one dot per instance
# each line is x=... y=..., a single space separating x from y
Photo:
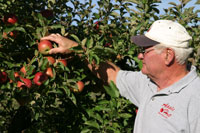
x=181 y=54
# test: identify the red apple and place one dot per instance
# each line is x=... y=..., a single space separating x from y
x=24 y=83
x=3 y=77
x=13 y=34
x=110 y=35
x=96 y=25
x=49 y=72
x=47 y=13
x=5 y=36
x=16 y=74
x=40 y=78
x=23 y=70
x=44 y=46
x=62 y=61
x=51 y=60
x=80 y=85
x=10 y=19
x=20 y=84
x=107 y=45
x=27 y=82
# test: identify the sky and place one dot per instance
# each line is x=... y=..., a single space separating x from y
x=162 y=5
x=165 y=4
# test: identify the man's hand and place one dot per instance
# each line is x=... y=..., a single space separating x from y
x=64 y=44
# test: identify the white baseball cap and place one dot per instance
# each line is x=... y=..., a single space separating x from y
x=167 y=32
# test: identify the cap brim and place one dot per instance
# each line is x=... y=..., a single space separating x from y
x=143 y=41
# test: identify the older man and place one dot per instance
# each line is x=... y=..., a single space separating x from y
x=166 y=91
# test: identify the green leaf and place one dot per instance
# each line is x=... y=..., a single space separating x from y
x=39 y=32
x=172 y=3
x=77 y=49
x=85 y=130
x=89 y=43
x=41 y=20
x=125 y=115
x=102 y=108
x=44 y=64
x=115 y=14
x=11 y=75
x=138 y=61
x=95 y=115
x=104 y=52
x=112 y=90
x=7 y=30
x=1 y=36
x=56 y=26
x=62 y=30
x=20 y=29
x=83 y=42
x=104 y=102
x=92 y=124
x=73 y=99
x=96 y=59
x=111 y=129
x=139 y=26
x=198 y=2
x=76 y=38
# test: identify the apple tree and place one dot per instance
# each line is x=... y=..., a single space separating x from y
x=40 y=92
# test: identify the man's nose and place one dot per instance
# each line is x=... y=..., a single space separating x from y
x=140 y=56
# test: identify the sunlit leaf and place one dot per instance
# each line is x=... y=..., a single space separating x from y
x=92 y=124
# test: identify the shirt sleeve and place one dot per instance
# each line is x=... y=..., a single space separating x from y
x=131 y=85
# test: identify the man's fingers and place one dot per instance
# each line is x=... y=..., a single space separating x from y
x=52 y=37
x=57 y=50
x=63 y=43
x=57 y=38
x=54 y=51
x=58 y=34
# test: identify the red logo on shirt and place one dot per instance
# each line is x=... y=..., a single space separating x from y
x=166 y=110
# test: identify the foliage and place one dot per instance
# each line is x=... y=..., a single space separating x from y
x=53 y=107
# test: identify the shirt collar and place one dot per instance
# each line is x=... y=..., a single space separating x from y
x=178 y=86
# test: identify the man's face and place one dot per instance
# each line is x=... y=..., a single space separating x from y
x=153 y=62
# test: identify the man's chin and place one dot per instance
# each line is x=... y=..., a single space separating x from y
x=143 y=71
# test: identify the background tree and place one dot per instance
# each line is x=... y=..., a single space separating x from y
x=44 y=93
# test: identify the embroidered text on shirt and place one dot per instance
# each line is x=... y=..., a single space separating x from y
x=166 y=110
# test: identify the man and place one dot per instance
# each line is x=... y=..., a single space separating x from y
x=166 y=92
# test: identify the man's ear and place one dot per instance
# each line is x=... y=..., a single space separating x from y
x=169 y=56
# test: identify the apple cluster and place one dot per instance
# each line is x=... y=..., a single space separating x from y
x=39 y=78
x=22 y=82
x=43 y=47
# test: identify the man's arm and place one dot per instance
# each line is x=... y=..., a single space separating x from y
x=105 y=71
